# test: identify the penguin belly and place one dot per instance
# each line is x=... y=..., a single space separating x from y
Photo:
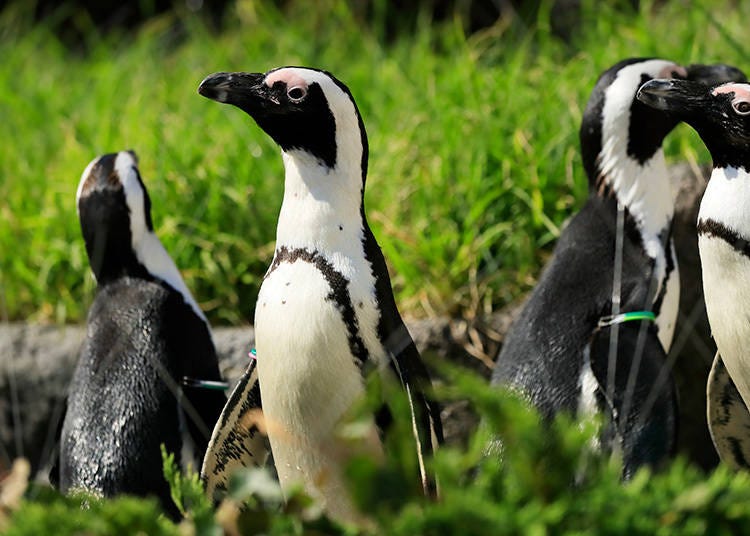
x=726 y=283
x=309 y=380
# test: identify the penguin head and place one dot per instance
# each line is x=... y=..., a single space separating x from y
x=720 y=115
x=616 y=126
x=114 y=210
x=310 y=114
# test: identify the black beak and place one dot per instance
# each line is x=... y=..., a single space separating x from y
x=678 y=97
x=244 y=90
x=713 y=75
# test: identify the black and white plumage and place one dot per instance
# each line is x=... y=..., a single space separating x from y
x=721 y=116
x=238 y=439
x=555 y=353
x=145 y=333
x=325 y=312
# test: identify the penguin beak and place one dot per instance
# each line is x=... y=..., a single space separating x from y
x=713 y=75
x=244 y=90
x=679 y=97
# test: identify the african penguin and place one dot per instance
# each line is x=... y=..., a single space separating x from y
x=325 y=313
x=721 y=116
x=557 y=352
x=145 y=334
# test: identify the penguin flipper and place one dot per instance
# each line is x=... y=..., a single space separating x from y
x=728 y=417
x=192 y=356
x=407 y=364
x=643 y=405
x=238 y=439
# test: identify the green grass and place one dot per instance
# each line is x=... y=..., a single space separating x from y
x=474 y=147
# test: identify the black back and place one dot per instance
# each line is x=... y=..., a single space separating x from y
x=142 y=338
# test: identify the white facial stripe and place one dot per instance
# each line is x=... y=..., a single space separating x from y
x=741 y=91
x=299 y=76
x=147 y=247
x=125 y=166
x=84 y=176
x=644 y=189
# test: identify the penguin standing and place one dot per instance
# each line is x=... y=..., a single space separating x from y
x=594 y=333
x=325 y=312
x=148 y=364
x=721 y=116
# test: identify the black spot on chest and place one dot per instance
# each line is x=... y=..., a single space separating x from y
x=713 y=228
x=339 y=293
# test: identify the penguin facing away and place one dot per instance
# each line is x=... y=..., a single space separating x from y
x=325 y=313
x=721 y=116
x=145 y=333
x=558 y=351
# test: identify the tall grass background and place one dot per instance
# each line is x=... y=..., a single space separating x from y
x=474 y=161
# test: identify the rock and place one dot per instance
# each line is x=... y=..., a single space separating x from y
x=36 y=365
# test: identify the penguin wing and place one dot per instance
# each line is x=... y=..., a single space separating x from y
x=238 y=439
x=641 y=398
x=193 y=356
x=728 y=417
x=406 y=362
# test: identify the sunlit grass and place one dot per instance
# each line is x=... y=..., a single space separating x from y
x=474 y=143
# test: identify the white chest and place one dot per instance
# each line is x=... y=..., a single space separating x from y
x=726 y=272
x=308 y=376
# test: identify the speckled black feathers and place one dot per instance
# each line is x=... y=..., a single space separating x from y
x=237 y=440
x=142 y=338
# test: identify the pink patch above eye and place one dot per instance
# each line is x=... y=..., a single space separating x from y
x=670 y=71
x=741 y=91
x=288 y=76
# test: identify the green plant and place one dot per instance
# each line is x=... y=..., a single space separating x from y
x=546 y=479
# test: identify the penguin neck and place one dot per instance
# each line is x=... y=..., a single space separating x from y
x=151 y=254
x=727 y=200
x=322 y=209
x=642 y=188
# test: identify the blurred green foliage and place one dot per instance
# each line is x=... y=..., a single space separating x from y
x=474 y=154
x=545 y=479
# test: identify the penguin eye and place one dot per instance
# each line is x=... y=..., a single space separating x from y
x=296 y=93
x=742 y=107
